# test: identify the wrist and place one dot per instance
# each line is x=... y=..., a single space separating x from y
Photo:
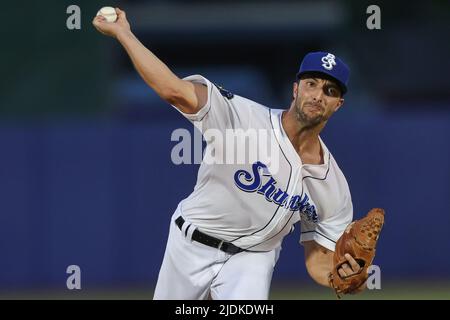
x=330 y=280
x=123 y=34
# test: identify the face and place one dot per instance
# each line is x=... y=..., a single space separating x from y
x=315 y=100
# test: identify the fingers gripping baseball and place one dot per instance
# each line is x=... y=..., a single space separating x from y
x=112 y=29
x=122 y=17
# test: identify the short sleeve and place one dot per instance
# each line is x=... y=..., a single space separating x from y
x=327 y=232
x=218 y=112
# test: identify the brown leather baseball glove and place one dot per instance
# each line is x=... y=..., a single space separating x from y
x=359 y=240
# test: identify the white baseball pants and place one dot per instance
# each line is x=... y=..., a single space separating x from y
x=192 y=270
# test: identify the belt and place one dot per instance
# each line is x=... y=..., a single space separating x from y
x=210 y=241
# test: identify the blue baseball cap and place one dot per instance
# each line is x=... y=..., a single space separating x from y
x=328 y=64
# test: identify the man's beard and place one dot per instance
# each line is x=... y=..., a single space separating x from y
x=309 y=120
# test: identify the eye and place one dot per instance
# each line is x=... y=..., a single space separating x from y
x=310 y=83
x=332 y=91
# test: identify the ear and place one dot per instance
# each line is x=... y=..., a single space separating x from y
x=295 y=90
x=339 y=105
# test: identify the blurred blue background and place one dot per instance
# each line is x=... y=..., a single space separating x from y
x=86 y=176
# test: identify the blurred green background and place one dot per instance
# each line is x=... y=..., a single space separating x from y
x=396 y=290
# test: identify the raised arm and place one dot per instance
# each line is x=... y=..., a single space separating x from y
x=185 y=95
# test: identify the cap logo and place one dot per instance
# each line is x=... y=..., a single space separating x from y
x=328 y=61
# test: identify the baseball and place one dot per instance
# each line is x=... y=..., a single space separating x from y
x=109 y=13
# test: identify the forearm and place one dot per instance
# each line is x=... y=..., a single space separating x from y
x=319 y=273
x=154 y=72
x=319 y=262
x=184 y=95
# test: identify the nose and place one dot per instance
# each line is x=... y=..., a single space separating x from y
x=318 y=96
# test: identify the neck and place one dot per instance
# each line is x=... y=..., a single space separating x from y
x=305 y=139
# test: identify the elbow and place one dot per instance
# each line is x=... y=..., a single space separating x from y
x=177 y=97
x=321 y=279
x=170 y=95
x=319 y=274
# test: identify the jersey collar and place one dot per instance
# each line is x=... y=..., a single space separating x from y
x=289 y=149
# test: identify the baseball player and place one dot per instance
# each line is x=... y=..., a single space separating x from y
x=225 y=237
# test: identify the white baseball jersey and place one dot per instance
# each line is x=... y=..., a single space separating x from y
x=248 y=203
